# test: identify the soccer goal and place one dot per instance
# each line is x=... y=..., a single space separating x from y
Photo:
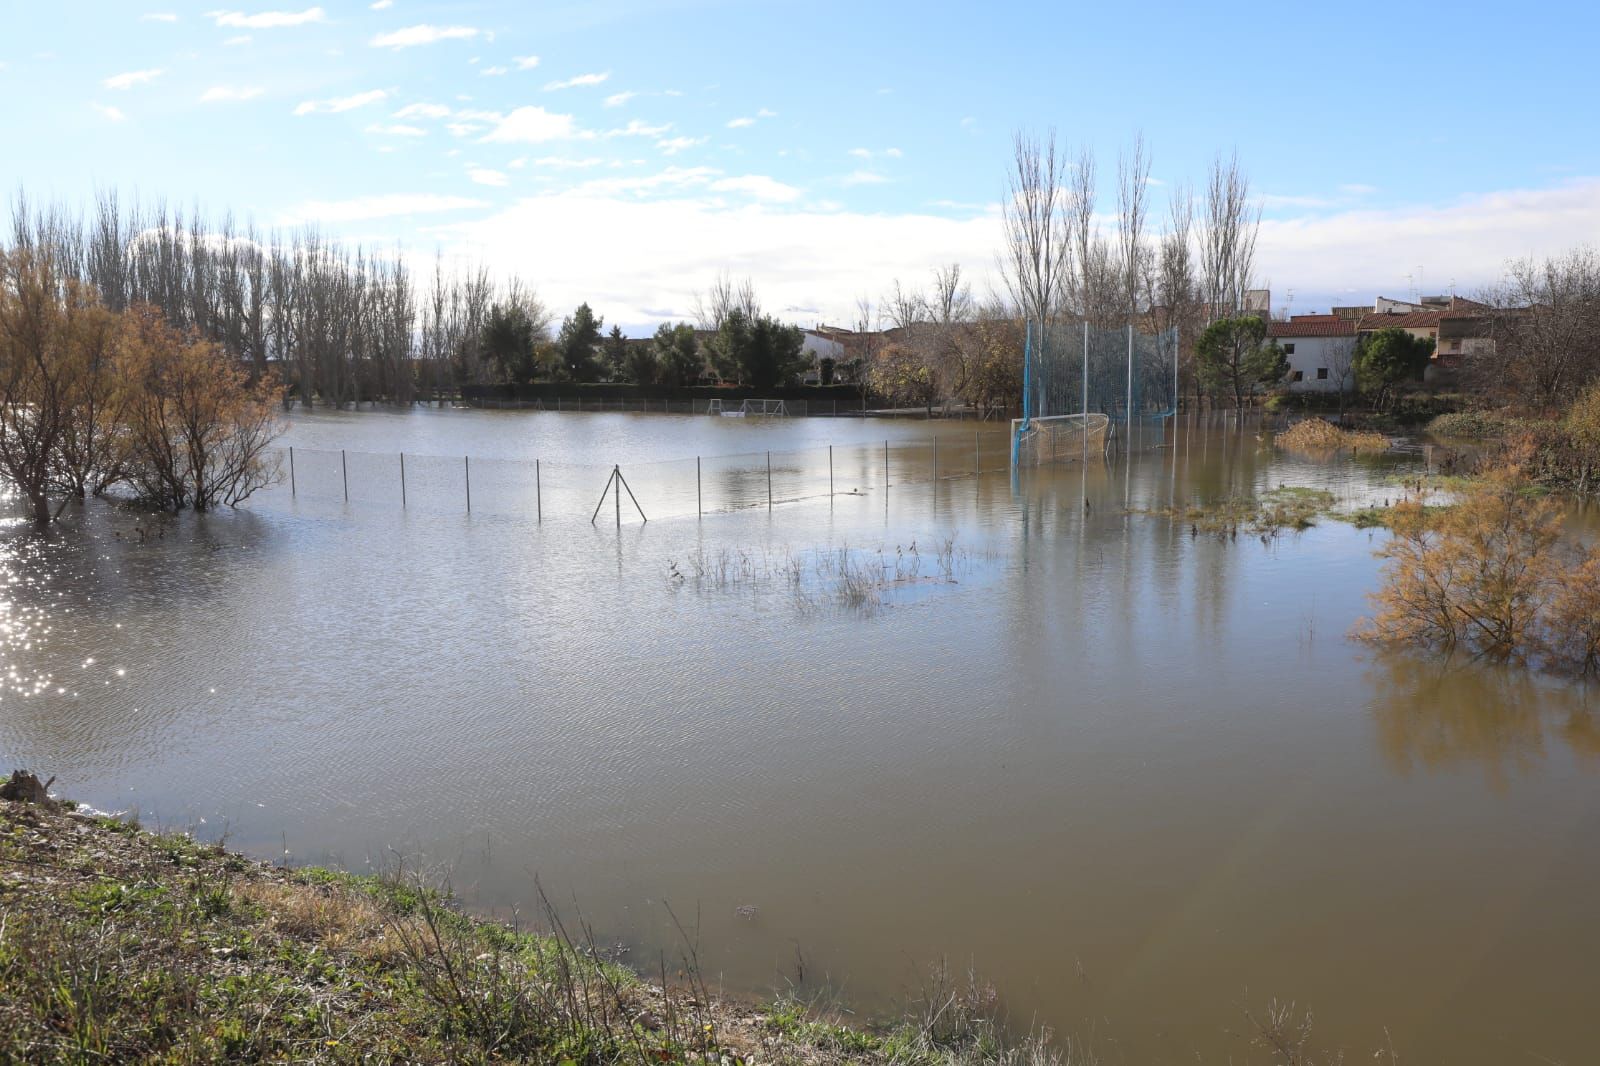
x=1058 y=439
x=764 y=409
x=714 y=407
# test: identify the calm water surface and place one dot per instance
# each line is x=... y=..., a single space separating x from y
x=1139 y=778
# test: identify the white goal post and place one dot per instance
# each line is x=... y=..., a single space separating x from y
x=764 y=408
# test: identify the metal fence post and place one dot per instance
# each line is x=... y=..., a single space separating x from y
x=699 y=502
x=936 y=460
x=538 y=493
x=466 y=465
x=830 y=471
x=292 y=491
x=344 y=475
x=402 y=481
x=769 y=481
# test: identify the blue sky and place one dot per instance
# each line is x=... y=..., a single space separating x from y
x=624 y=152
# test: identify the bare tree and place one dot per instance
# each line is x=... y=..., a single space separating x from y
x=712 y=307
x=1545 y=326
x=1133 y=179
x=1175 y=303
x=1227 y=239
x=1036 y=239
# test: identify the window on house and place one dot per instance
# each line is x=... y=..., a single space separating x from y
x=1296 y=375
x=1322 y=373
x=1288 y=349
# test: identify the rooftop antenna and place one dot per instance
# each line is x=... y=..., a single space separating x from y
x=1411 y=283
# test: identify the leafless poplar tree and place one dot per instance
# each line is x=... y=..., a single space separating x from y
x=1227 y=239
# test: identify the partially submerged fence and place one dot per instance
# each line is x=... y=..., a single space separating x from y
x=671 y=488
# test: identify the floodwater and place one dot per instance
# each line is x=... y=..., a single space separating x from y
x=1138 y=778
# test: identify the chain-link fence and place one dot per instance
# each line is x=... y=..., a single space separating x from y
x=660 y=489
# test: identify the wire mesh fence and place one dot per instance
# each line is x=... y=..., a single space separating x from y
x=1076 y=369
x=660 y=489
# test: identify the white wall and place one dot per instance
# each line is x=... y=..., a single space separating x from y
x=1312 y=354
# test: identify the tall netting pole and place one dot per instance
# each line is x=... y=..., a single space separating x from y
x=1086 y=390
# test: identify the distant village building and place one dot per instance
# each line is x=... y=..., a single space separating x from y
x=1319 y=349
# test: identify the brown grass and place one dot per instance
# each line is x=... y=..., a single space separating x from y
x=1315 y=435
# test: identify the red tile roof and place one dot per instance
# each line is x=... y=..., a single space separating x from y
x=1313 y=326
x=1409 y=320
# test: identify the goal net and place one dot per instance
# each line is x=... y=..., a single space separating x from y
x=765 y=408
x=1058 y=439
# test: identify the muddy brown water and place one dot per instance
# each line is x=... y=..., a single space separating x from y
x=1137 y=778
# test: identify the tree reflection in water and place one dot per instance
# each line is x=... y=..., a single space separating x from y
x=1439 y=714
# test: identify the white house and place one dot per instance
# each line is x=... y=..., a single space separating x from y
x=1320 y=348
x=816 y=348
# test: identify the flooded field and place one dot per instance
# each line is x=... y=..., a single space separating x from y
x=1134 y=774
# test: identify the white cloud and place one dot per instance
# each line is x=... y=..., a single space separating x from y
x=618 y=99
x=232 y=42
x=113 y=113
x=532 y=125
x=525 y=62
x=342 y=103
x=861 y=153
x=158 y=16
x=396 y=129
x=636 y=128
x=1470 y=240
x=678 y=243
x=895 y=153
x=758 y=186
x=412 y=36
x=493 y=72
x=268 y=20
x=423 y=111
x=577 y=82
x=132 y=78
x=674 y=145
x=228 y=93
x=746 y=120
x=381 y=5
x=868 y=153
x=484 y=176
x=863 y=177
x=365 y=208
x=564 y=163
x=674 y=178
x=1358 y=190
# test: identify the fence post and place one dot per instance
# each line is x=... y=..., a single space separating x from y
x=885 y=466
x=830 y=471
x=538 y=493
x=936 y=462
x=344 y=475
x=617 y=489
x=466 y=464
x=292 y=492
x=699 y=503
x=402 y=481
x=769 y=481
x=977 y=455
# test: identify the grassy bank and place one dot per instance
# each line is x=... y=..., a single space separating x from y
x=120 y=945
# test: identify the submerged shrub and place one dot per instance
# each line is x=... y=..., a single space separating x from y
x=1320 y=435
x=1490 y=575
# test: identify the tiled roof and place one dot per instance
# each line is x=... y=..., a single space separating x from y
x=1313 y=326
x=1409 y=320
